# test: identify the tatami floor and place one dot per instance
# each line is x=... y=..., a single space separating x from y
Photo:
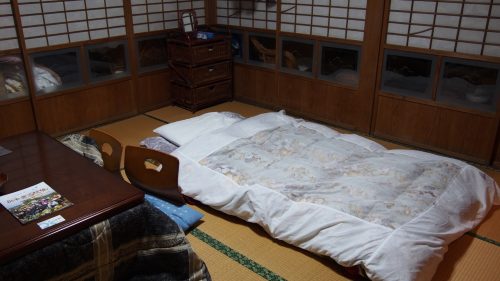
x=236 y=250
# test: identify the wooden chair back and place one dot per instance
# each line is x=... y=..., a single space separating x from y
x=111 y=160
x=290 y=60
x=154 y=172
x=265 y=54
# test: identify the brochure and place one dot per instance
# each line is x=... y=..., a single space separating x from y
x=34 y=202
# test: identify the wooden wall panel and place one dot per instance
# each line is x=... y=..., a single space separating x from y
x=16 y=118
x=294 y=91
x=465 y=135
x=322 y=101
x=68 y=112
x=344 y=108
x=153 y=91
x=496 y=156
x=255 y=84
x=308 y=97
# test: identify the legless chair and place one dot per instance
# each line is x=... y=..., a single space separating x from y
x=265 y=54
x=111 y=160
x=162 y=182
x=290 y=60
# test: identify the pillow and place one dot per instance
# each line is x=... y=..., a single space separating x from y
x=158 y=143
x=183 y=215
x=183 y=131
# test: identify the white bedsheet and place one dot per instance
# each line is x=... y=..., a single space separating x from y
x=392 y=212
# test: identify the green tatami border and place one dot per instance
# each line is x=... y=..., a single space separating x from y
x=236 y=256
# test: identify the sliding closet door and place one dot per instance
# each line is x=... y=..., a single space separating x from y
x=87 y=62
x=68 y=44
x=316 y=59
x=440 y=76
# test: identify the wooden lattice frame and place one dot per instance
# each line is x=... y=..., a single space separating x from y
x=8 y=33
x=148 y=17
x=62 y=22
x=338 y=19
x=247 y=13
x=471 y=27
x=343 y=19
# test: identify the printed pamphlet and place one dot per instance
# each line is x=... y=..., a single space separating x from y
x=34 y=202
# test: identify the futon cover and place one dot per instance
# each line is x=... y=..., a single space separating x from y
x=391 y=212
x=138 y=244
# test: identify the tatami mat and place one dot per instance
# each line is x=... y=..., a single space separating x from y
x=465 y=256
x=250 y=239
x=490 y=227
x=469 y=258
x=220 y=266
x=131 y=131
x=173 y=113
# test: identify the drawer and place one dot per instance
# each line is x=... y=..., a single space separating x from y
x=199 y=54
x=212 y=92
x=204 y=96
x=204 y=74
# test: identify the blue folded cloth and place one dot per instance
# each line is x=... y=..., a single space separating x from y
x=183 y=215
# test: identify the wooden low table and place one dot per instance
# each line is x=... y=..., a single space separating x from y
x=96 y=193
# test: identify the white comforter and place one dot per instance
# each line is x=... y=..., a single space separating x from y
x=392 y=212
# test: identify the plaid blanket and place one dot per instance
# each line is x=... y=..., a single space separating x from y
x=85 y=146
x=138 y=244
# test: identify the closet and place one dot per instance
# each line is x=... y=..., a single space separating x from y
x=439 y=76
x=422 y=73
x=84 y=62
x=306 y=56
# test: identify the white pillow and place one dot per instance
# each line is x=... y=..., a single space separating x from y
x=183 y=131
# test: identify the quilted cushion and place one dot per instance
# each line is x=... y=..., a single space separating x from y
x=183 y=215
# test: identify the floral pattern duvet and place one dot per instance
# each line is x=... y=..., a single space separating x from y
x=391 y=212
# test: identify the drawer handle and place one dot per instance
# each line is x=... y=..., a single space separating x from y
x=210 y=49
x=211 y=69
x=211 y=88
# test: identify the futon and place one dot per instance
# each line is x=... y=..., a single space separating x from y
x=392 y=213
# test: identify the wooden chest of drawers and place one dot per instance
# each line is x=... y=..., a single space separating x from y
x=202 y=71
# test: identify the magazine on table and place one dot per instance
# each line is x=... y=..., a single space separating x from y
x=34 y=202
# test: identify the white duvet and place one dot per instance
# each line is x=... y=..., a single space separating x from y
x=392 y=212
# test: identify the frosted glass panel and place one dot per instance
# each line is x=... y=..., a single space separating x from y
x=297 y=56
x=107 y=61
x=262 y=49
x=57 y=70
x=408 y=74
x=78 y=37
x=152 y=53
x=36 y=42
x=237 y=47
x=469 y=84
x=339 y=64
x=12 y=77
x=58 y=39
x=397 y=40
x=98 y=34
x=8 y=34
